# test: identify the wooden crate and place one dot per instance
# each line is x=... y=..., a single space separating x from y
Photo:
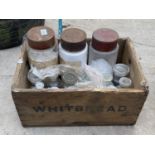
x=81 y=106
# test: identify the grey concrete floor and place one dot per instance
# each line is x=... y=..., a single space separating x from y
x=142 y=32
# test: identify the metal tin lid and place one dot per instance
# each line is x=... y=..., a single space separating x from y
x=104 y=39
x=73 y=39
x=121 y=70
x=41 y=37
x=125 y=82
x=69 y=77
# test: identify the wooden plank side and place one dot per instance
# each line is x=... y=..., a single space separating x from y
x=136 y=73
x=20 y=76
x=122 y=43
x=78 y=108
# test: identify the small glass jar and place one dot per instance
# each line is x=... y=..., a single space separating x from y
x=42 y=46
x=73 y=48
x=119 y=71
x=125 y=82
x=104 y=45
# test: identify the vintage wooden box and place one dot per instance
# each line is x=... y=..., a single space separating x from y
x=81 y=106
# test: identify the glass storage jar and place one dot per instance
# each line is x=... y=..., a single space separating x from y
x=125 y=82
x=119 y=71
x=73 y=48
x=104 y=45
x=42 y=52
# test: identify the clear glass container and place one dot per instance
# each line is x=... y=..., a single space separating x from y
x=125 y=82
x=104 y=45
x=42 y=47
x=110 y=56
x=119 y=71
x=42 y=58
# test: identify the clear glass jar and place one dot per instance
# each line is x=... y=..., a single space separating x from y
x=42 y=47
x=120 y=70
x=42 y=58
x=125 y=82
x=104 y=45
x=110 y=56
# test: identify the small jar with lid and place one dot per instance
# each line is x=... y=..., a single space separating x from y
x=104 y=45
x=73 y=48
x=42 y=46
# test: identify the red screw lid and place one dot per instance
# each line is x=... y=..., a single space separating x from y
x=41 y=37
x=73 y=39
x=104 y=39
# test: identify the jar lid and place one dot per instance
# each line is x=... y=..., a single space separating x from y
x=41 y=37
x=104 y=39
x=69 y=77
x=125 y=82
x=73 y=39
x=121 y=70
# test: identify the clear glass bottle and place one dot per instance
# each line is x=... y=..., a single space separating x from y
x=125 y=82
x=42 y=47
x=119 y=71
x=73 y=48
x=104 y=45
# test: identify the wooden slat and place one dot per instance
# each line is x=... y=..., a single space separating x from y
x=85 y=107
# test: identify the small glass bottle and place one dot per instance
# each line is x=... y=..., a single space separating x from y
x=125 y=82
x=73 y=48
x=119 y=71
x=42 y=47
x=104 y=45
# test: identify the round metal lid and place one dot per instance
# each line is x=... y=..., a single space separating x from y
x=73 y=39
x=69 y=77
x=104 y=39
x=41 y=37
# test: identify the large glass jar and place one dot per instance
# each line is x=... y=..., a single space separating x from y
x=104 y=45
x=42 y=47
x=73 y=48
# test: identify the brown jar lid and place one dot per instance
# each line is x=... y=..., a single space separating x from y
x=73 y=39
x=41 y=37
x=104 y=39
